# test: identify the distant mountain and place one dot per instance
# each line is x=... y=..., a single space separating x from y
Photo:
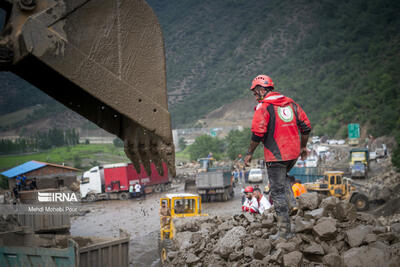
x=339 y=59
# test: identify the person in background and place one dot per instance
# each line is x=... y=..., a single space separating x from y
x=243 y=194
x=298 y=188
x=18 y=182
x=23 y=181
x=33 y=185
x=137 y=189
x=165 y=214
x=131 y=191
x=250 y=204
x=144 y=191
x=263 y=203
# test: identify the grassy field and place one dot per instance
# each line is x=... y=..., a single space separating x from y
x=80 y=156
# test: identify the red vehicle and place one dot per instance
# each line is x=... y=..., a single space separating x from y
x=113 y=180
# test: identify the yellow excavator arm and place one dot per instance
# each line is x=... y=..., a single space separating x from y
x=103 y=59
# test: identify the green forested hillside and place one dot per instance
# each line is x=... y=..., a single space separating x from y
x=339 y=59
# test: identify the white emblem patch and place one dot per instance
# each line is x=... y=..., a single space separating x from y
x=285 y=113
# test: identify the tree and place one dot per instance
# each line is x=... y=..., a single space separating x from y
x=205 y=144
x=118 y=142
x=182 y=143
x=396 y=155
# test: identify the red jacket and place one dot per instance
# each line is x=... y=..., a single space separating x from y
x=278 y=122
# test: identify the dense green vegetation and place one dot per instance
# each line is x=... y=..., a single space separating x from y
x=339 y=59
x=396 y=154
x=80 y=156
x=40 y=141
x=235 y=143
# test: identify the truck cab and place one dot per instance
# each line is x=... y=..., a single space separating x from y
x=359 y=158
x=91 y=182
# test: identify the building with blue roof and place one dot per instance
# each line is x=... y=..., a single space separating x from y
x=48 y=175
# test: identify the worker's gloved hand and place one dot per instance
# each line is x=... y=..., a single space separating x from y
x=247 y=160
x=303 y=153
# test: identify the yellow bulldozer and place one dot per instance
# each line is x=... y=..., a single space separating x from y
x=334 y=184
x=103 y=59
x=178 y=205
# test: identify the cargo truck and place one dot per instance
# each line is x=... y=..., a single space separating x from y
x=215 y=184
x=359 y=158
x=112 y=181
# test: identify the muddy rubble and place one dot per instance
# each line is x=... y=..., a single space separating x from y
x=327 y=232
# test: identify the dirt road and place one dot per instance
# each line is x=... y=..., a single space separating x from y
x=141 y=220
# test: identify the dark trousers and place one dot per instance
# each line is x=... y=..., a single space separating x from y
x=281 y=190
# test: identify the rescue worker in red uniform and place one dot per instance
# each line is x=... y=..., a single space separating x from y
x=283 y=128
x=250 y=204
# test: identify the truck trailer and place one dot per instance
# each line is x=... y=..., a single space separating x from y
x=112 y=181
x=215 y=184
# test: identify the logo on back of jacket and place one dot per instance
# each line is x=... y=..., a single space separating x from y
x=285 y=113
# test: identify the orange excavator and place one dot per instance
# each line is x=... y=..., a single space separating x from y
x=103 y=59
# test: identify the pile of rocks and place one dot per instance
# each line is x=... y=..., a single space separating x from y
x=328 y=232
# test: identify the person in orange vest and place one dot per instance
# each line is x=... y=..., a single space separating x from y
x=298 y=188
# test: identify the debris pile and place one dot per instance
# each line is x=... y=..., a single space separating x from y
x=327 y=231
x=384 y=189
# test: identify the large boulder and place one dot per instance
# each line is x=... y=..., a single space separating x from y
x=314 y=249
x=356 y=235
x=302 y=225
x=293 y=259
x=262 y=248
x=365 y=256
x=308 y=201
x=326 y=229
x=231 y=239
x=333 y=260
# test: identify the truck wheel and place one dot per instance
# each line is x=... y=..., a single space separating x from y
x=91 y=197
x=157 y=188
x=123 y=196
x=361 y=202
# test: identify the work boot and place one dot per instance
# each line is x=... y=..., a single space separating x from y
x=284 y=230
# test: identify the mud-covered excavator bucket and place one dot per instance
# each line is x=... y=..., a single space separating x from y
x=102 y=59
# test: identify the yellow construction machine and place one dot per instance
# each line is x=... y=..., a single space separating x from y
x=334 y=184
x=179 y=205
x=103 y=59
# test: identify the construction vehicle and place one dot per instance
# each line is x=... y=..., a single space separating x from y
x=180 y=205
x=103 y=59
x=359 y=158
x=334 y=184
x=112 y=181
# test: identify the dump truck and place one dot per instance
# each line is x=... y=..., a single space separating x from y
x=334 y=184
x=212 y=183
x=102 y=59
x=112 y=181
x=358 y=161
x=180 y=206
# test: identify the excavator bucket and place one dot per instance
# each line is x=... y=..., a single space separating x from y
x=103 y=59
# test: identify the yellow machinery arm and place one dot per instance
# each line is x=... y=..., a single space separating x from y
x=103 y=59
